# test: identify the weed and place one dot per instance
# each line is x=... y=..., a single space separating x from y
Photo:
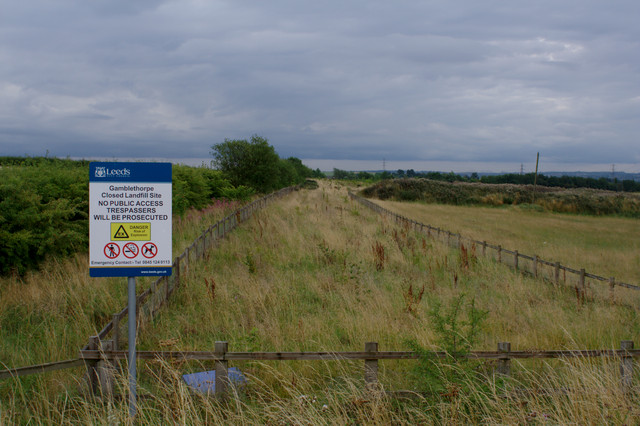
x=464 y=257
x=331 y=256
x=250 y=262
x=455 y=335
x=412 y=299
x=379 y=256
x=454 y=375
x=211 y=287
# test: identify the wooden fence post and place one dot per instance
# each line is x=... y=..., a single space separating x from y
x=222 y=369
x=515 y=257
x=186 y=260
x=504 y=363
x=626 y=366
x=100 y=372
x=612 y=284
x=499 y=254
x=153 y=298
x=92 y=366
x=105 y=370
x=582 y=284
x=116 y=331
x=176 y=279
x=535 y=266
x=371 y=367
x=484 y=248
x=557 y=273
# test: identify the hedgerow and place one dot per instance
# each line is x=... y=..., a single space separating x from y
x=44 y=205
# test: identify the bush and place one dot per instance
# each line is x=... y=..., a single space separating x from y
x=43 y=212
x=194 y=187
x=44 y=204
x=456 y=336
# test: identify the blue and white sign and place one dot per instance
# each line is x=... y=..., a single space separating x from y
x=129 y=219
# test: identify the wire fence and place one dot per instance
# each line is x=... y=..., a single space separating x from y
x=530 y=264
x=149 y=302
x=100 y=354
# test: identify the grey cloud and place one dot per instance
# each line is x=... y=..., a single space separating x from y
x=462 y=80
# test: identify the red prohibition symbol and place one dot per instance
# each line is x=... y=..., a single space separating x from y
x=111 y=250
x=130 y=250
x=149 y=250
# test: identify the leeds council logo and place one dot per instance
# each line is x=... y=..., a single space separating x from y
x=100 y=172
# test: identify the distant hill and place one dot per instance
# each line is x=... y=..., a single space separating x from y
x=598 y=175
x=594 y=175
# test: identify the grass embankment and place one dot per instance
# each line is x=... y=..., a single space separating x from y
x=605 y=246
x=316 y=271
x=579 y=201
x=49 y=315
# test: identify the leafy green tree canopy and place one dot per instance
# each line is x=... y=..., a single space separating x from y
x=254 y=163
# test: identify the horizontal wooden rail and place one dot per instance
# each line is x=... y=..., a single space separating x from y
x=41 y=368
x=371 y=355
x=161 y=288
x=331 y=356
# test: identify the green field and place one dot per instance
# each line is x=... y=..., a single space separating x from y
x=318 y=272
x=605 y=246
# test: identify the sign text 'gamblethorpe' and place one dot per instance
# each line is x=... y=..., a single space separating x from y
x=129 y=219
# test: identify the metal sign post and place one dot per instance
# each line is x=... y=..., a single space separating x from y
x=132 y=347
x=130 y=231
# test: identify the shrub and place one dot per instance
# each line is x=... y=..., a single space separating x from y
x=44 y=205
x=455 y=336
x=43 y=213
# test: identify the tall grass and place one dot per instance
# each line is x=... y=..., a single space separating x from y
x=570 y=393
x=302 y=275
x=605 y=246
x=48 y=315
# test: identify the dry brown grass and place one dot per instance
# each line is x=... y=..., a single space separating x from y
x=605 y=246
x=302 y=276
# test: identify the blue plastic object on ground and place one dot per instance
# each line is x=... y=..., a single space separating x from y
x=205 y=382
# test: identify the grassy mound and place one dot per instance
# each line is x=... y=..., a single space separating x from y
x=581 y=201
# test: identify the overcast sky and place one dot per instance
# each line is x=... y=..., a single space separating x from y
x=458 y=81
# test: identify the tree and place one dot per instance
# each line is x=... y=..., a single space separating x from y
x=341 y=174
x=364 y=176
x=302 y=171
x=254 y=163
x=317 y=173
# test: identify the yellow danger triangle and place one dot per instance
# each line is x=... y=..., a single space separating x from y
x=121 y=233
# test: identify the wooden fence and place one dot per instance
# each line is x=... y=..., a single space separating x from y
x=99 y=354
x=151 y=300
x=533 y=265
x=371 y=356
